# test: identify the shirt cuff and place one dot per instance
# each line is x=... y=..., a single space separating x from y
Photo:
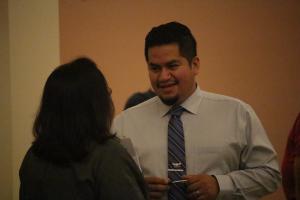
x=226 y=185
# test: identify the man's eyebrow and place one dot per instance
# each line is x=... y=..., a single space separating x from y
x=172 y=62
x=154 y=65
x=167 y=63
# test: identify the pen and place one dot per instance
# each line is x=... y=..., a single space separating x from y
x=179 y=181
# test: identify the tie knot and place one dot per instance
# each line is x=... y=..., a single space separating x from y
x=176 y=111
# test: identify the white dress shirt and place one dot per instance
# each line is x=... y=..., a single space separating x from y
x=223 y=137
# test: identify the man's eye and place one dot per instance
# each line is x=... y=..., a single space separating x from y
x=173 y=66
x=154 y=68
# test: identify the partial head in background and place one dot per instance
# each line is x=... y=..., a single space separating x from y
x=171 y=55
x=138 y=97
x=76 y=109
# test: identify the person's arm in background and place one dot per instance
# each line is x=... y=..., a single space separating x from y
x=296 y=130
x=297 y=176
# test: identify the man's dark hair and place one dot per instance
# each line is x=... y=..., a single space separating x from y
x=76 y=111
x=172 y=33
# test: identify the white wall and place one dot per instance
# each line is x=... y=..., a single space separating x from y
x=34 y=52
x=5 y=116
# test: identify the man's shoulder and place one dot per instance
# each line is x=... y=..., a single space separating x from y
x=220 y=98
x=139 y=111
x=221 y=102
x=145 y=106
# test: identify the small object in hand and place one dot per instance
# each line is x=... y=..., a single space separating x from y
x=179 y=181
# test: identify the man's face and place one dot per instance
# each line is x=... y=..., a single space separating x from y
x=171 y=75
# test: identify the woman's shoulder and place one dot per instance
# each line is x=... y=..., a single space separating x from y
x=111 y=144
x=32 y=165
x=111 y=157
x=110 y=148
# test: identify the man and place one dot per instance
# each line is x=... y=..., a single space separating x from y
x=214 y=148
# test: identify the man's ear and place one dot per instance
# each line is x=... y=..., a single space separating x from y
x=196 y=65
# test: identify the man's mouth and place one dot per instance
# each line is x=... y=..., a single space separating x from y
x=163 y=85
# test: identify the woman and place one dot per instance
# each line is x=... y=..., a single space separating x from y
x=74 y=155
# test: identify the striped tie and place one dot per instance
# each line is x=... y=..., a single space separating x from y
x=176 y=154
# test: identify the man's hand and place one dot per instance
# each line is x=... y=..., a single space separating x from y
x=157 y=186
x=202 y=187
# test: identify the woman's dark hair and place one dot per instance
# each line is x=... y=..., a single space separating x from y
x=172 y=33
x=76 y=111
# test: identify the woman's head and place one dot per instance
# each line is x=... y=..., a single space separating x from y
x=76 y=108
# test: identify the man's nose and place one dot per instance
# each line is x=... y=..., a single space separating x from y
x=164 y=74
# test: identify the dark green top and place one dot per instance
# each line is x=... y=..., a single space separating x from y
x=107 y=173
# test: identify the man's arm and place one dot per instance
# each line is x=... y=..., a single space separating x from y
x=258 y=173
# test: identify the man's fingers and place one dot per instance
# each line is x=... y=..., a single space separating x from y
x=202 y=186
x=156 y=195
x=158 y=188
x=193 y=187
x=192 y=178
x=155 y=180
x=193 y=195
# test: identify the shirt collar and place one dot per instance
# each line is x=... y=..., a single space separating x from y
x=191 y=104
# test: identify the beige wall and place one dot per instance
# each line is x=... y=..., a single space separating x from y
x=248 y=49
x=34 y=52
x=5 y=115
